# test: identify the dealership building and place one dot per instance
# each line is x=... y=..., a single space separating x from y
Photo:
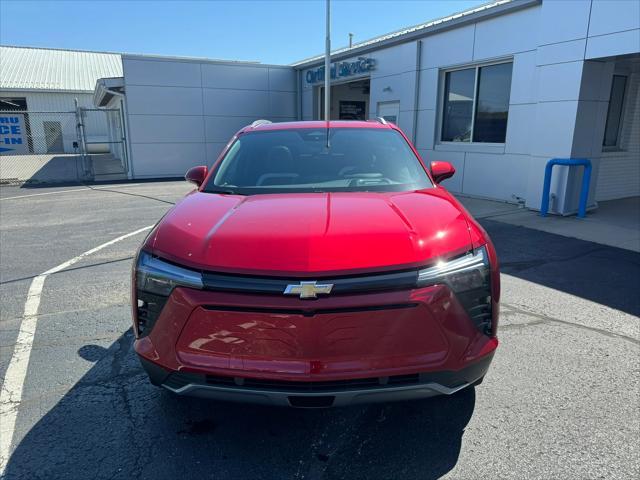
x=498 y=91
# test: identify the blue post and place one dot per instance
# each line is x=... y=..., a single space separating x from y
x=544 y=208
x=584 y=192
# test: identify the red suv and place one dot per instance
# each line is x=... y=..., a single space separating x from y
x=317 y=265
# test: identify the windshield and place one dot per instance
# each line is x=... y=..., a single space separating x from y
x=298 y=160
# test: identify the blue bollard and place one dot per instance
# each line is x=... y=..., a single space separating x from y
x=586 y=179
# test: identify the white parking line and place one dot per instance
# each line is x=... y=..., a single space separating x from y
x=11 y=393
x=70 y=190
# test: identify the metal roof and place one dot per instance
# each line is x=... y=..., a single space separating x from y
x=406 y=34
x=28 y=68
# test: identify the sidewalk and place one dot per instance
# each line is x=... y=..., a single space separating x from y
x=615 y=223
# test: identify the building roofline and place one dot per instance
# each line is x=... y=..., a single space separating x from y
x=163 y=58
x=74 y=50
x=24 y=91
x=455 y=20
x=152 y=56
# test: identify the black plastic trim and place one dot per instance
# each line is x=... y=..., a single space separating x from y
x=341 y=285
x=157 y=374
x=450 y=379
x=148 y=314
x=308 y=312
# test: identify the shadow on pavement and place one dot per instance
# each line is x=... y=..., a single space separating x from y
x=78 y=183
x=114 y=424
x=606 y=275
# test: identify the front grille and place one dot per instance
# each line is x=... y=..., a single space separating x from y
x=377 y=282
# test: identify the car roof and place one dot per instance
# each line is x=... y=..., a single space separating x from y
x=265 y=126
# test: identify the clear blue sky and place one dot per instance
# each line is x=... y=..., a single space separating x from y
x=279 y=32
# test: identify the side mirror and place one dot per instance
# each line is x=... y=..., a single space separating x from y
x=196 y=175
x=442 y=170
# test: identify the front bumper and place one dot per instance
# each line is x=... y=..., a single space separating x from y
x=318 y=394
x=332 y=351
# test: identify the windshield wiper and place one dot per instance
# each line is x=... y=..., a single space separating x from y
x=224 y=191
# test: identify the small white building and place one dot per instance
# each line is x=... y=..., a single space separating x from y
x=44 y=84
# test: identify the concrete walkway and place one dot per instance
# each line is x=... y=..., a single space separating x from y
x=615 y=223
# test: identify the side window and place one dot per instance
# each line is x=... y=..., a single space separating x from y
x=614 y=114
x=476 y=104
x=457 y=117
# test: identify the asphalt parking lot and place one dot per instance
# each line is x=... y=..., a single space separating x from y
x=562 y=399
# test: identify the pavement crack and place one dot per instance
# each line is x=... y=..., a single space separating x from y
x=517 y=326
x=123 y=347
x=149 y=197
x=82 y=267
x=92 y=309
x=118 y=357
x=548 y=319
x=520 y=266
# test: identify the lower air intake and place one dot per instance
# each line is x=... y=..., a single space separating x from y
x=312 y=402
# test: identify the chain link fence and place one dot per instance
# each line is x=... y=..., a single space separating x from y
x=48 y=147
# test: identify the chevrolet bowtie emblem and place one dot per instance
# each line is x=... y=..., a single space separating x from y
x=308 y=289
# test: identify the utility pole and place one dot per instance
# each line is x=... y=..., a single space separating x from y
x=350 y=40
x=327 y=71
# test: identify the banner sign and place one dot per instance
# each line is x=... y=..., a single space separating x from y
x=352 y=110
x=342 y=70
x=13 y=135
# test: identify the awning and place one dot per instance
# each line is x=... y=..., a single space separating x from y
x=107 y=89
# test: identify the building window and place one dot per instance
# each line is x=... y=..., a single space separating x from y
x=13 y=104
x=476 y=104
x=614 y=114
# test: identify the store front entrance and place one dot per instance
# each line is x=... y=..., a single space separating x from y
x=349 y=101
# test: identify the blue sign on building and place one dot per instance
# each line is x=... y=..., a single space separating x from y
x=342 y=70
x=12 y=134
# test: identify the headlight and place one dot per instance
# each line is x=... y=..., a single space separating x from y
x=155 y=279
x=160 y=277
x=469 y=278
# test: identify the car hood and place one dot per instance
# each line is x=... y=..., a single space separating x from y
x=312 y=233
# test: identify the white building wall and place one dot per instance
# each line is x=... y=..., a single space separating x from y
x=394 y=80
x=558 y=100
x=181 y=113
x=410 y=69
x=489 y=171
